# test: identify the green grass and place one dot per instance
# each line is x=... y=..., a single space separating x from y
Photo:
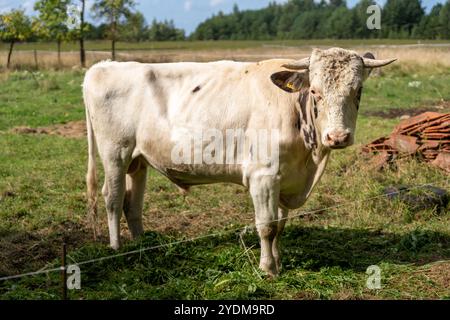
x=325 y=255
x=406 y=88
x=29 y=98
x=104 y=45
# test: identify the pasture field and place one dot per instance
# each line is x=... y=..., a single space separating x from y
x=428 y=52
x=105 y=45
x=325 y=253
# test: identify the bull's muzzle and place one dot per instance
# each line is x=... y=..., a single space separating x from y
x=337 y=139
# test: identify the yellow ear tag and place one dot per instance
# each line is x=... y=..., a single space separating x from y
x=290 y=86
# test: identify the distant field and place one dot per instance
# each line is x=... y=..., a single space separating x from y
x=433 y=54
x=104 y=45
x=325 y=254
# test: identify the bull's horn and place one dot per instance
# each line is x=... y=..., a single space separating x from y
x=298 y=65
x=372 y=63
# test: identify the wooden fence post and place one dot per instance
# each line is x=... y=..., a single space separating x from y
x=35 y=59
x=64 y=272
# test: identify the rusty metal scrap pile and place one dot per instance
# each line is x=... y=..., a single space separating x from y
x=426 y=136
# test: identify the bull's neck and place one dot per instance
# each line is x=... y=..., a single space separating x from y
x=308 y=125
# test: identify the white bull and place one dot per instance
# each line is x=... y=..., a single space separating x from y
x=135 y=113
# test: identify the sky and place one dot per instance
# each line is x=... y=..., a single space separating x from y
x=187 y=14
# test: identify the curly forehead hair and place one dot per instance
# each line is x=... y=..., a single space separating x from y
x=338 y=69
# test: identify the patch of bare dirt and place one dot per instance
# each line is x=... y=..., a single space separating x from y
x=73 y=129
x=443 y=106
x=28 y=251
x=192 y=224
x=306 y=295
x=439 y=273
x=428 y=282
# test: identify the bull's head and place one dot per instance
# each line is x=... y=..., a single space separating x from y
x=334 y=78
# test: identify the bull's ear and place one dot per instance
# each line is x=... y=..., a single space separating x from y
x=370 y=62
x=290 y=81
x=367 y=71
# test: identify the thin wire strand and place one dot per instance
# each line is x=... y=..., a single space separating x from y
x=247 y=250
x=30 y=274
x=211 y=235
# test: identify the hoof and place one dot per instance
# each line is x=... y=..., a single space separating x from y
x=278 y=265
x=135 y=234
x=269 y=269
x=115 y=246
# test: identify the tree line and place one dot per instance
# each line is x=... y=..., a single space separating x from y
x=296 y=19
x=64 y=20
x=309 y=19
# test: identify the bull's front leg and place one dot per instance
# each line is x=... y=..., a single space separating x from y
x=276 y=248
x=265 y=192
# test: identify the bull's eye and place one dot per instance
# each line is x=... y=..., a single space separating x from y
x=316 y=96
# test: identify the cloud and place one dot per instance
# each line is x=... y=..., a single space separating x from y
x=214 y=3
x=8 y=5
x=29 y=6
x=5 y=9
x=188 y=5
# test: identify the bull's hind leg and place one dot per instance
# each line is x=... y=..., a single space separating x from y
x=113 y=192
x=265 y=194
x=134 y=196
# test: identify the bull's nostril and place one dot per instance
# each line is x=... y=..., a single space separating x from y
x=328 y=138
x=346 y=137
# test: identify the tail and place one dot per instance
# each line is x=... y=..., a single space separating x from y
x=91 y=176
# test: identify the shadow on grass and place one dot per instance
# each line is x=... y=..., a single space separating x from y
x=313 y=248
x=309 y=248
